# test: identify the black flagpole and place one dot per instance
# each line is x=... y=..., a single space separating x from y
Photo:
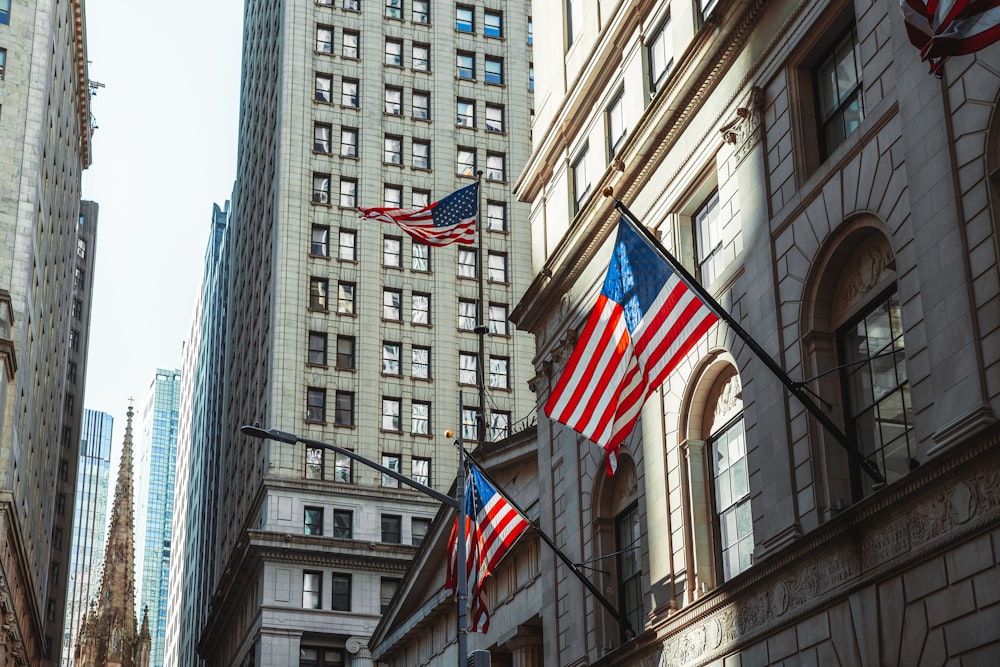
x=795 y=388
x=622 y=620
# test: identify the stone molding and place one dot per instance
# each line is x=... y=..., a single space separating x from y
x=744 y=131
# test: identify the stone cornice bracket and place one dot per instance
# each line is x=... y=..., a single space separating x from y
x=743 y=131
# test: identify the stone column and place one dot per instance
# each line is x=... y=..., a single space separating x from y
x=360 y=655
x=527 y=651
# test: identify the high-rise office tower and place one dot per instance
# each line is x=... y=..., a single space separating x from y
x=154 y=493
x=90 y=519
x=48 y=243
x=196 y=488
x=347 y=331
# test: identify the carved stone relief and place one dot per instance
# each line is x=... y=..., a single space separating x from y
x=744 y=131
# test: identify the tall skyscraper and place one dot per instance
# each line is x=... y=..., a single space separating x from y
x=48 y=242
x=154 y=491
x=196 y=491
x=90 y=518
x=347 y=331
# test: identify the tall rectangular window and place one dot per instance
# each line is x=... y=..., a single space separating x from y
x=393 y=52
x=320 y=243
x=498 y=319
x=420 y=363
x=344 y=412
x=581 y=179
x=421 y=11
x=499 y=372
x=574 y=21
x=393 y=463
x=421 y=254
x=464 y=19
x=5 y=12
x=324 y=39
x=494 y=70
x=350 y=48
x=419 y=197
x=317 y=348
x=324 y=88
x=387 y=592
x=418 y=530
x=661 y=55
x=349 y=93
x=708 y=237
x=421 y=151
x=392 y=251
x=313 y=521
x=470 y=424
x=343 y=524
x=391 y=353
x=496 y=216
x=392 y=196
x=314 y=463
x=421 y=105
x=421 y=312
x=312 y=590
x=392 y=419
x=348 y=142
x=345 y=298
x=321 y=137
x=392 y=306
x=393 y=153
x=467 y=314
x=732 y=499
x=420 y=420
x=346 y=245
x=499 y=425
x=466 y=161
x=496 y=167
x=321 y=188
x=348 y=193
x=497 y=267
x=392 y=525
x=492 y=24
x=394 y=9
x=468 y=368
x=421 y=57
x=340 y=584
x=466 y=64
x=465 y=113
x=316 y=405
x=617 y=130
x=393 y=101
x=420 y=471
x=319 y=294
x=494 y=118
x=343 y=472
x=629 y=562
x=839 y=98
x=466 y=263
x=345 y=352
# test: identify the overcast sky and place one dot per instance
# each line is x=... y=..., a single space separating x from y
x=163 y=153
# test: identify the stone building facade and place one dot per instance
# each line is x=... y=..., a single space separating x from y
x=840 y=203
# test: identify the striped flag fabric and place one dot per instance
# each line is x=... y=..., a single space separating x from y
x=645 y=321
x=943 y=28
x=492 y=526
x=448 y=220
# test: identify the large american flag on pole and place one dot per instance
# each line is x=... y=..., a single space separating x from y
x=492 y=526
x=449 y=220
x=645 y=321
x=942 y=28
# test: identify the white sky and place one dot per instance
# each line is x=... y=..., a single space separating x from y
x=163 y=153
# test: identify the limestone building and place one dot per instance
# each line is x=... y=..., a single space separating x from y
x=840 y=203
x=346 y=331
x=48 y=241
x=109 y=634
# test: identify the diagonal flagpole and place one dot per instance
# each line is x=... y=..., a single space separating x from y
x=623 y=622
x=795 y=388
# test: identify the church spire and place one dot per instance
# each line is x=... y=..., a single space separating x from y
x=108 y=633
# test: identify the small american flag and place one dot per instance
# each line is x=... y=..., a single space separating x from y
x=449 y=220
x=645 y=321
x=492 y=526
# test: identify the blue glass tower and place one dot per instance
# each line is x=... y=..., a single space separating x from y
x=154 y=497
x=89 y=522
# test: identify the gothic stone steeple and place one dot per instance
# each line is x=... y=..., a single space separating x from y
x=108 y=634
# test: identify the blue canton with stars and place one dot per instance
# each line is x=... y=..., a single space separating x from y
x=636 y=274
x=457 y=207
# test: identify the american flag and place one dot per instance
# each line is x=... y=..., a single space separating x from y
x=449 y=220
x=492 y=526
x=645 y=321
x=942 y=28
